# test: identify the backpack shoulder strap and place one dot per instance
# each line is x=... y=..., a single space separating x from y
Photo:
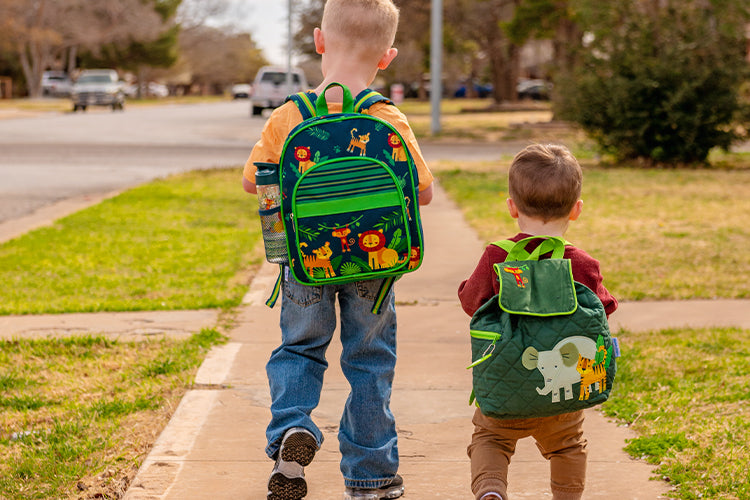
x=305 y=102
x=506 y=245
x=367 y=98
x=517 y=251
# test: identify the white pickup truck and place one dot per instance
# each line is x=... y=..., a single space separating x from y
x=271 y=88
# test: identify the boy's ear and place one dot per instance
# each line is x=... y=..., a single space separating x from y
x=320 y=46
x=512 y=208
x=387 y=58
x=575 y=212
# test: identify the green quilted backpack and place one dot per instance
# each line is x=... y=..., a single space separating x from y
x=542 y=345
x=350 y=195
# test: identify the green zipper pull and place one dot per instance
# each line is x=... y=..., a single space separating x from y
x=486 y=355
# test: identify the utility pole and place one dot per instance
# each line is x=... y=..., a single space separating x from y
x=289 y=88
x=436 y=64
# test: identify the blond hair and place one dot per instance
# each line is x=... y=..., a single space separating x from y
x=545 y=181
x=367 y=26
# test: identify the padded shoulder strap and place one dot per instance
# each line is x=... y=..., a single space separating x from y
x=367 y=98
x=305 y=102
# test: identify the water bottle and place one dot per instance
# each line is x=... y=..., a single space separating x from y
x=269 y=209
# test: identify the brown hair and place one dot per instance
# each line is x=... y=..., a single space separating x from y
x=368 y=26
x=545 y=181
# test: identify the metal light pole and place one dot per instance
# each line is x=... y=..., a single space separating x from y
x=289 y=88
x=436 y=63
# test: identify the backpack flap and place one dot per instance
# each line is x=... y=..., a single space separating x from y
x=537 y=288
x=532 y=287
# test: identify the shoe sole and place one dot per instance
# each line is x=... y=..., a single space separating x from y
x=283 y=488
x=299 y=447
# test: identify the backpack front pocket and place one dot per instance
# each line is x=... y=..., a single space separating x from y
x=350 y=218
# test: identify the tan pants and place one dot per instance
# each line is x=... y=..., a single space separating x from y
x=559 y=439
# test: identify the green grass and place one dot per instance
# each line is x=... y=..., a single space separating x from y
x=186 y=242
x=659 y=234
x=80 y=413
x=686 y=392
x=63 y=104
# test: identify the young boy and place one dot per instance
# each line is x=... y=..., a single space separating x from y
x=545 y=188
x=355 y=40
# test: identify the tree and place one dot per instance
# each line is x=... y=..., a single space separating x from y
x=307 y=17
x=43 y=31
x=139 y=55
x=216 y=58
x=548 y=19
x=485 y=22
x=659 y=80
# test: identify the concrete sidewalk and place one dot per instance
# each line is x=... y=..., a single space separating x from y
x=213 y=446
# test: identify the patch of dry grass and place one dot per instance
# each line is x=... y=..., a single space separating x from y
x=659 y=234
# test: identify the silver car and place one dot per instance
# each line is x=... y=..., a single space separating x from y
x=98 y=87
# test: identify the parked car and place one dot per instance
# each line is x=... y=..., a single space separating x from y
x=241 y=91
x=538 y=90
x=56 y=84
x=480 y=91
x=270 y=87
x=98 y=87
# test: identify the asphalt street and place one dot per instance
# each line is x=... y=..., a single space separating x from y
x=57 y=156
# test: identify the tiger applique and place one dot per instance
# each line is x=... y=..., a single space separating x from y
x=320 y=259
x=359 y=141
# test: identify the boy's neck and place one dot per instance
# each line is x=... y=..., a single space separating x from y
x=355 y=86
x=538 y=227
x=353 y=74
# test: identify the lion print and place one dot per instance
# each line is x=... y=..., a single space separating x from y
x=379 y=256
x=394 y=141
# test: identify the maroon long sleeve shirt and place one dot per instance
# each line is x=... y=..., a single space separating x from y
x=482 y=285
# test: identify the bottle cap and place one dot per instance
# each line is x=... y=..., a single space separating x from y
x=263 y=165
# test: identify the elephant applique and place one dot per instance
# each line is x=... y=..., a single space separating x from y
x=558 y=365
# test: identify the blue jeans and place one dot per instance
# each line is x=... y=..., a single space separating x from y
x=367 y=431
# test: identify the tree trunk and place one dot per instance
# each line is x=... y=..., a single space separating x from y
x=33 y=63
x=72 y=56
x=505 y=60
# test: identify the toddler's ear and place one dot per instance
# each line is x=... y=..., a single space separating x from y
x=575 y=212
x=387 y=58
x=512 y=208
